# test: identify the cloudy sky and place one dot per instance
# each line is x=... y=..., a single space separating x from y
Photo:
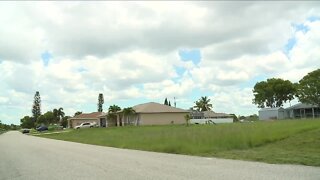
x=137 y=52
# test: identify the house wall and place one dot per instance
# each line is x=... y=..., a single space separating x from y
x=215 y=120
x=162 y=118
x=111 y=122
x=304 y=113
x=75 y=122
x=268 y=114
x=282 y=114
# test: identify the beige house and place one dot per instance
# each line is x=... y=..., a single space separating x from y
x=149 y=114
x=87 y=117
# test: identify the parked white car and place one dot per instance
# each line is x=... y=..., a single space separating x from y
x=85 y=125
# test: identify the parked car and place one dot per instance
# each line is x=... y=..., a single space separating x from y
x=85 y=125
x=42 y=128
x=24 y=131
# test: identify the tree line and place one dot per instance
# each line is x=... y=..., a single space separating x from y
x=56 y=116
x=5 y=127
x=274 y=92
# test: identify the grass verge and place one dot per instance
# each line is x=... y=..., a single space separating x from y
x=258 y=141
x=302 y=148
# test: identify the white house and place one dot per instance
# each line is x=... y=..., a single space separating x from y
x=299 y=110
x=272 y=113
x=207 y=117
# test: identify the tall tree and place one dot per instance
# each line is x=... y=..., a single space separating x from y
x=100 y=102
x=203 y=104
x=166 y=102
x=36 y=108
x=308 y=89
x=169 y=104
x=273 y=92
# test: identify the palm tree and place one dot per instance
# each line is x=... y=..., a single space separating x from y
x=55 y=114
x=197 y=106
x=128 y=112
x=203 y=104
x=60 y=113
x=114 y=108
x=111 y=113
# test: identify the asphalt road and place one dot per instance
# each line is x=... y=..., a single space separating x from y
x=28 y=157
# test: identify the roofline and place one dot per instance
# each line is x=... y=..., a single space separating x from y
x=158 y=112
x=296 y=105
x=269 y=109
x=83 y=118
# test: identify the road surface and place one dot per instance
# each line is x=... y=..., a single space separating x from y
x=28 y=157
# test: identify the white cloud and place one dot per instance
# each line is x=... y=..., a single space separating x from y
x=304 y=56
x=233 y=100
x=130 y=51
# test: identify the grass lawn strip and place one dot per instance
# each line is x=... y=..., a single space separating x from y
x=46 y=133
x=302 y=148
x=223 y=140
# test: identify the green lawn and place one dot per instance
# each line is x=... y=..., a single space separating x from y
x=291 y=141
x=302 y=148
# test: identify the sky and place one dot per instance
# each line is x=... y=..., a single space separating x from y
x=138 y=52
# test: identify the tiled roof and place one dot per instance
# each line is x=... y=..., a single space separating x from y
x=301 y=106
x=153 y=107
x=208 y=114
x=271 y=109
x=92 y=115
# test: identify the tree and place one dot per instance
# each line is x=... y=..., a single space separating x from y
x=112 y=110
x=166 y=102
x=64 y=121
x=187 y=118
x=128 y=112
x=203 y=104
x=5 y=127
x=308 y=89
x=77 y=113
x=55 y=114
x=27 y=122
x=36 y=108
x=100 y=102
x=169 y=104
x=42 y=120
x=46 y=119
x=60 y=113
x=273 y=92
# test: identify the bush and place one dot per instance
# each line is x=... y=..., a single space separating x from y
x=55 y=127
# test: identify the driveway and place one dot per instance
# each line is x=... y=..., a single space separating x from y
x=30 y=157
